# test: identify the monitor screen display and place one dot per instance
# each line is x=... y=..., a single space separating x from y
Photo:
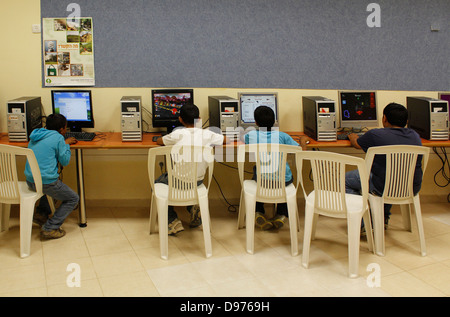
x=76 y=106
x=358 y=109
x=166 y=105
x=445 y=96
x=249 y=102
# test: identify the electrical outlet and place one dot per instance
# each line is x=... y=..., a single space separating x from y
x=36 y=28
x=435 y=27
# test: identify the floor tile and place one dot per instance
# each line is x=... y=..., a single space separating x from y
x=117 y=257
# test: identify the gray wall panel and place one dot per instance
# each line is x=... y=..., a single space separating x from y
x=321 y=44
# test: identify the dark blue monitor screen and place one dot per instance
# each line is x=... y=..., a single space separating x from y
x=358 y=109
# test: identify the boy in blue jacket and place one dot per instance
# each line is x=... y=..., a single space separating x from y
x=50 y=148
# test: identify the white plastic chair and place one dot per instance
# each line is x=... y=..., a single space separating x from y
x=329 y=199
x=269 y=187
x=182 y=190
x=13 y=191
x=398 y=189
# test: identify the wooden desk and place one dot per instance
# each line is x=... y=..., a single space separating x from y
x=107 y=140
x=113 y=140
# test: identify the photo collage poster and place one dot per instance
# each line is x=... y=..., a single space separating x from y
x=68 y=52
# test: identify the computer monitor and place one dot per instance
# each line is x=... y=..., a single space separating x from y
x=445 y=96
x=76 y=106
x=166 y=105
x=248 y=102
x=358 y=109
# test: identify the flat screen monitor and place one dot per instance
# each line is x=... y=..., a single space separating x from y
x=358 y=109
x=166 y=105
x=248 y=102
x=76 y=106
x=445 y=96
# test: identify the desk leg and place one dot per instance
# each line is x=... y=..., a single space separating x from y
x=80 y=174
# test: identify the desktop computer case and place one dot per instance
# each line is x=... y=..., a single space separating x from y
x=318 y=125
x=24 y=115
x=224 y=114
x=428 y=117
x=131 y=118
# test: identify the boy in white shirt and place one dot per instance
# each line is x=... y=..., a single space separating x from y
x=188 y=135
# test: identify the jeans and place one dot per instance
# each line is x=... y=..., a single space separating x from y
x=172 y=215
x=59 y=191
x=353 y=186
x=281 y=208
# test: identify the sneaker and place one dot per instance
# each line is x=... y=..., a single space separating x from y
x=278 y=221
x=52 y=234
x=363 y=232
x=39 y=219
x=195 y=217
x=261 y=222
x=175 y=227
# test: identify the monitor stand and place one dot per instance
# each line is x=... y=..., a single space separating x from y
x=74 y=128
x=169 y=129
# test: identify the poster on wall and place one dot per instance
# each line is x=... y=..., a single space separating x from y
x=68 y=52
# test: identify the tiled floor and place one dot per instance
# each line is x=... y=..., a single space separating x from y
x=117 y=257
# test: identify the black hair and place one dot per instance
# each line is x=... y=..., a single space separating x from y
x=189 y=112
x=55 y=121
x=264 y=117
x=396 y=114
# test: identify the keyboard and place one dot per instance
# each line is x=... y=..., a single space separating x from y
x=344 y=135
x=81 y=136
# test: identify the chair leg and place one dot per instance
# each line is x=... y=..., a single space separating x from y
x=369 y=231
x=250 y=205
x=161 y=206
x=354 y=230
x=26 y=223
x=153 y=216
x=241 y=215
x=5 y=211
x=204 y=211
x=418 y=212
x=51 y=203
x=377 y=213
x=309 y=219
x=293 y=218
x=314 y=225
x=406 y=215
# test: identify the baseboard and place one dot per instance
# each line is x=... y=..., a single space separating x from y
x=117 y=202
x=146 y=202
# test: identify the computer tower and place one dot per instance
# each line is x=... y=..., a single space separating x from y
x=319 y=118
x=131 y=116
x=224 y=114
x=24 y=115
x=428 y=117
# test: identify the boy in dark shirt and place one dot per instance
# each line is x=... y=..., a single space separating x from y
x=395 y=117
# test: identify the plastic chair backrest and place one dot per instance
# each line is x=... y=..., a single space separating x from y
x=400 y=167
x=328 y=171
x=9 y=189
x=270 y=167
x=181 y=165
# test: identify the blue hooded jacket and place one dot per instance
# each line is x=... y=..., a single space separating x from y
x=49 y=147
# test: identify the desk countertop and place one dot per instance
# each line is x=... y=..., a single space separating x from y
x=113 y=140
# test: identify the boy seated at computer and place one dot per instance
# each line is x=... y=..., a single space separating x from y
x=265 y=119
x=189 y=114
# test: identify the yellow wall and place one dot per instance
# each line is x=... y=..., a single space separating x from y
x=121 y=174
